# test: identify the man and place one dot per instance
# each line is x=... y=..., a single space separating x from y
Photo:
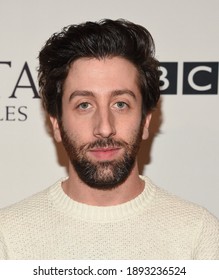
x=99 y=83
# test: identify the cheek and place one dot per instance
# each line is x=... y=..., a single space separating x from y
x=79 y=131
x=129 y=127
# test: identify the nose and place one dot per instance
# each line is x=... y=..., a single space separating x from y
x=104 y=123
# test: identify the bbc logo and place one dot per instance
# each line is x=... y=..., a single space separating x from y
x=198 y=78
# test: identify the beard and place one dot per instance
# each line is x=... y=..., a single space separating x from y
x=102 y=175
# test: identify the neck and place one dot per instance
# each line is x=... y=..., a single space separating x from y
x=80 y=192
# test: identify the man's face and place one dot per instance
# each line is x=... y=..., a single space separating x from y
x=101 y=127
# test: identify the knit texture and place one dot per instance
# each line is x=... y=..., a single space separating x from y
x=154 y=225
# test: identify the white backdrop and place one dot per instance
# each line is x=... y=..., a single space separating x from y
x=182 y=158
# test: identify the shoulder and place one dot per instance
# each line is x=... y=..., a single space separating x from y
x=26 y=218
x=174 y=207
x=28 y=207
x=196 y=224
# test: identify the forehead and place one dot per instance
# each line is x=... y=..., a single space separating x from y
x=103 y=75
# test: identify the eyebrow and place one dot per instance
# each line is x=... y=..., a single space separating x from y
x=122 y=92
x=80 y=93
x=114 y=93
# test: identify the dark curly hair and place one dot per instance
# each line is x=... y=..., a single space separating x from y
x=106 y=38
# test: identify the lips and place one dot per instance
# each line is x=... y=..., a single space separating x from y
x=104 y=153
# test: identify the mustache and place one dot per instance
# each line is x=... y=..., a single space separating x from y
x=104 y=143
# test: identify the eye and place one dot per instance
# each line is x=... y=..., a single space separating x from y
x=84 y=106
x=121 y=105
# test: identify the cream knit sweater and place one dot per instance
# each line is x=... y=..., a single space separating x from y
x=154 y=225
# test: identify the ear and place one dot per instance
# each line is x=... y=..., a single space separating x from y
x=56 y=130
x=147 y=121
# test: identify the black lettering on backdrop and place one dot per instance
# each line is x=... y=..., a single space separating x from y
x=168 y=77
x=6 y=62
x=22 y=113
x=200 y=78
x=10 y=113
x=13 y=113
x=31 y=85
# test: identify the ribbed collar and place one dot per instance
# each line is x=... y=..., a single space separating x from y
x=102 y=213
